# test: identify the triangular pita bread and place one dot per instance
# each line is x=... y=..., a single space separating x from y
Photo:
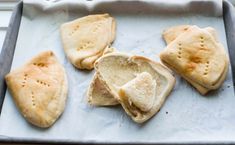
x=39 y=89
x=85 y=39
x=198 y=57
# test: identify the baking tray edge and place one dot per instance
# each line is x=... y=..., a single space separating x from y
x=7 y=54
x=8 y=48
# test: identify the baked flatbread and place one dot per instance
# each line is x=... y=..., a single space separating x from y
x=171 y=33
x=118 y=72
x=85 y=39
x=140 y=91
x=39 y=89
x=97 y=94
x=198 y=57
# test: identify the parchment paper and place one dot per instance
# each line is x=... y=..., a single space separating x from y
x=186 y=115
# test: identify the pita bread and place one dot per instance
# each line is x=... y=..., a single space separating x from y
x=82 y=39
x=39 y=89
x=119 y=71
x=140 y=91
x=172 y=33
x=197 y=57
x=97 y=94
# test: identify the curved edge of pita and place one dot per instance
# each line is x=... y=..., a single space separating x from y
x=170 y=34
x=81 y=38
x=136 y=64
x=39 y=89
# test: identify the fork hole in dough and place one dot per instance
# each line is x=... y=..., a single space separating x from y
x=179 y=52
x=32 y=97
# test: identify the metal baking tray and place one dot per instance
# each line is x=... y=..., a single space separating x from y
x=8 y=50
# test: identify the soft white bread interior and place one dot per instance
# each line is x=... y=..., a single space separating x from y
x=122 y=73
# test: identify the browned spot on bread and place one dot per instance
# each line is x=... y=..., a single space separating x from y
x=195 y=59
x=190 y=67
x=40 y=64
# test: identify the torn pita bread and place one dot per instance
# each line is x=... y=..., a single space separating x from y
x=197 y=57
x=97 y=94
x=118 y=72
x=39 y=89
x=85 y=39
x=140 y=91
x=171 y=33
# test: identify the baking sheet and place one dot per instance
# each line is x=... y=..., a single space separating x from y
x=185 y=117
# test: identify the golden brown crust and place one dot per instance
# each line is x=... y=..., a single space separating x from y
x=39 y=89
x=81 y=38
x=197 y=56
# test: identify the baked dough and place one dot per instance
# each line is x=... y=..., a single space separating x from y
x=198 y=57
x=171 y=33
x=97 y=94
x=39 y=89
x=118 y=72
x=85 y=39
x=140 y=91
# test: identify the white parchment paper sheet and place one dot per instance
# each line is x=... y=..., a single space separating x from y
x=185 y=117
